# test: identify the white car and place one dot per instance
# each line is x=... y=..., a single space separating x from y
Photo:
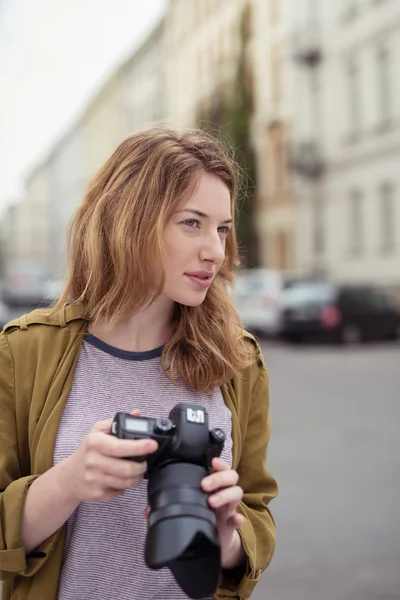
x=257 y=296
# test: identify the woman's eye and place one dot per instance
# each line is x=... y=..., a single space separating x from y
x=191 y=222
x=224 y=230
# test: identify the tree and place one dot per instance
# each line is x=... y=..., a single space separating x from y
x=228 y=116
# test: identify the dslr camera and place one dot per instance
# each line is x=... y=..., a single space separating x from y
x=182 y=533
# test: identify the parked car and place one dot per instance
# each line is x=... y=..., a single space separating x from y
x=257 y=296
x=4 y=315
x=338 y=313
x=23 y=284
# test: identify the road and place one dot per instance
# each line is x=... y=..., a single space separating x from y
x=335 y=452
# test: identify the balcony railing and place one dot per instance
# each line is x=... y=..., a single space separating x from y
x=306 y=159
x=307 y=45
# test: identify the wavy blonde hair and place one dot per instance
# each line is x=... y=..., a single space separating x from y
x=115 y=240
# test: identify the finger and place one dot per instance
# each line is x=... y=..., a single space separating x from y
x=135 y=412
x=116 y=483
x=110 y=495
x=146 y=513
x=236 y=520
x=219 y=464
x=112 y=446
x=231 y=495
x=119 y=467
x=239 y=519
x=219 y=480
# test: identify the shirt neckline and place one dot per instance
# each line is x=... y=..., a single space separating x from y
x=125 y=354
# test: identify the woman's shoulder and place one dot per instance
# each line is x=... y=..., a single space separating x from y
x=57 y=316
x=43 y=325
x=254 y=371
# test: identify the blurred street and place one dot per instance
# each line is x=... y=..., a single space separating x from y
x=336 y=456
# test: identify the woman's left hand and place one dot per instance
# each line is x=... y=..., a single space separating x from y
x=225 y=497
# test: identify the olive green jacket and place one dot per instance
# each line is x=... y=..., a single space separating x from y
x=38 y=355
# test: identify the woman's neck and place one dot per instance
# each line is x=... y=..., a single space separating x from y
x=148 y=329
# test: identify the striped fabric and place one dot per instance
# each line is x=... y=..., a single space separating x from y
x=103 y=556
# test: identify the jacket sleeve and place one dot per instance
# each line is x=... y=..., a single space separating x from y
x=259 y=487
x=13 y=483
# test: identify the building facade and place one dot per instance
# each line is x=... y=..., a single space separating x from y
x=132 y=97
x=203 y=41
x=325 y=128
x=272 y=131
x=347 y=138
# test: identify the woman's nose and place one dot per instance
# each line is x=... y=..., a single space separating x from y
x=213 y=250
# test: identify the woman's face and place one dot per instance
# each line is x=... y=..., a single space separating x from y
x=194 y=241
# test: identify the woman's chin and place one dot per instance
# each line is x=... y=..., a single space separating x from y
x=190 y=299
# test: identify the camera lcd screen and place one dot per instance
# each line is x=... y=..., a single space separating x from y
x=141 y=425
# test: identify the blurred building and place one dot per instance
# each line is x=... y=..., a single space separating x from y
x=65 y=172
x=131 y=98
x=204 y=42
x=8 y=229
x=203 y=38
x=272 y=131
x=346 y=115
x=35 y=210
x=324 y=127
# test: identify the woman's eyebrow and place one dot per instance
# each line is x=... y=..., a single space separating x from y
x=199 y=213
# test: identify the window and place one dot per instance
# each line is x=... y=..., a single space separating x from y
x=356 y=222
x=387 y=218
x=383 y=85
x=354 y=106
x=318 y=226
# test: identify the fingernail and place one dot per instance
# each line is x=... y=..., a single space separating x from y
x=216 y=500
x=208 y=483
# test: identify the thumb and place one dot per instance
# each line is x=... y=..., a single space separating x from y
x=135 y=412
x=103 y=426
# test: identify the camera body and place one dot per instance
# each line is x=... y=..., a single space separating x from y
x=182 y=528
x=182 y=437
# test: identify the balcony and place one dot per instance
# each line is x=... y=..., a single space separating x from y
x=307 y=46
x=306 y=160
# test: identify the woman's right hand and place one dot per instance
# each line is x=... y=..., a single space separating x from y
x=98 y=470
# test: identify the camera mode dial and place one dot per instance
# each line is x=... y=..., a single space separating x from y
x=163 y=425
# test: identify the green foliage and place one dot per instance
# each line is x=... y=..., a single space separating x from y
x=228 y=116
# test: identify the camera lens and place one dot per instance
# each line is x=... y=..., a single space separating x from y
x=182 y=531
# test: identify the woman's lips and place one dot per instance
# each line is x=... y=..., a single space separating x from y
x=202 y=282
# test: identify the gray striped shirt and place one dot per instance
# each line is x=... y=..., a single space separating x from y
x=104 y=548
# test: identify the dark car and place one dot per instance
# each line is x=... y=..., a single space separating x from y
x=338 y=313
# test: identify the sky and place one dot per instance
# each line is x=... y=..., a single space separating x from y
x=54 y=54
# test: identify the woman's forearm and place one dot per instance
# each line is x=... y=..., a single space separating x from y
x=48 y=505
x=233 y=556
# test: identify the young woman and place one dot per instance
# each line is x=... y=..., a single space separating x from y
x=145 y=321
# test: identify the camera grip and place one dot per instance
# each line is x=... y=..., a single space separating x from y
x=138 y=458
